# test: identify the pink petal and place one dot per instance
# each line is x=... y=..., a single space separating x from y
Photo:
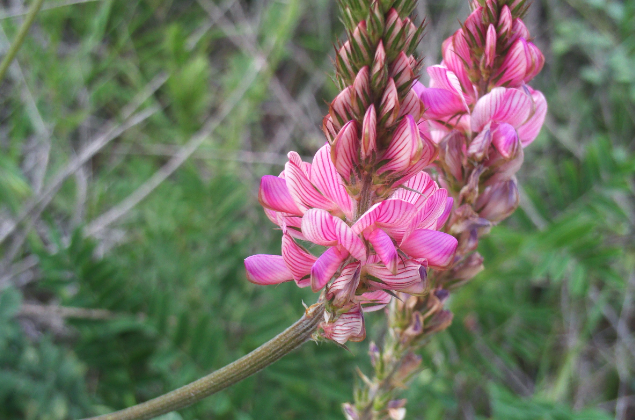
x=274 y=195
x=326 y=179
x=304 y=194
x=340 y=108
x=408 y=278
x=449 y=203
x=326 y=266
x=388 y=213
x=424 y=186
x=412 y=105
x=345 y=151
x=436 y=247
x=514 y=67
x=510 y=106
x=321 y=228
x=505 y=21
x=479 y=146
x=434 y=207
x=298 y=260
x=441 y=103
x=537 y=61
x=377 y=300
x=385 y=248
x=267 y=269
x=369 y=134
x=498 y=201
x=529 y=131
x=349 y=326
x=490 y=45
x=342 y=290
x=405 y=147
x=505 y=140
x=442 y=78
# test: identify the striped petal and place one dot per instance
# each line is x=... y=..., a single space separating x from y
x=423 y=187
x=274 y=194
x=304 y=194
x=505 y=140
x=405 y=147
x=436 y=247
x=388 y=213
x=342 y=290
x=502 y=105
x=514 y=67
x=441 y=103
x=298 y=260
x=449 y=203
x=326 y=266
x=267 y=269
x=409 y=277
x=345 y=150
x=529 y=131
x=326 y=179
x=490 y=45
x=385 y=248
x=375 y=300
x=443 y=78
x=348 y=326
x=319 y=227
x=427 y=217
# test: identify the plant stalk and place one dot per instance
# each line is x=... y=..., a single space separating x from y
x=20 y=37
x=263 y=356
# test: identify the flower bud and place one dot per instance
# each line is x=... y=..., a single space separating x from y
x=328 y=128
x=369 y=134
x=498 y=201
x=361 y=47
x=452 y=154
x=401 y=72
x=505 y=140
x=360 y=94
x=342 y=290
x=374 y=353
x=393 y=33
x=490 y=46
x=439 y=322
x=412 y=105
x=343 y=67
x=348 y=326
x=350 y=413
x=376 y=23
x=379 y=71
x=340 y=108
x=512 y=71
x=397 y=410
x=345 y=150
x=389 y=106
x=405 y=147
x=468 y=268
x=505 y=22
x=479 y=146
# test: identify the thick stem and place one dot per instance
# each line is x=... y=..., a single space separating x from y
x=263 y=356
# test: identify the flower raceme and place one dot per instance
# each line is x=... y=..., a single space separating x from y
x=386 y=249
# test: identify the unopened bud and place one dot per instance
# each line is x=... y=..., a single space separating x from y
x=345 y=150
x=505 y=140
x=498 y=201
x=397 y=410
x=452 y=154
x=439 y=322
x=412 y=105
x=376 y=23
x=369 y=134
x=505 y=22
x=401 y=72
x=468 y=268
x=374 y=353
x=361 y=47
x=490 y=46
x=340 y=108
x=379 y=71
x=328 y=128
x=360 y=94
x=479 y=146
x=389 y=106
x=350 y=413
x=343 y=67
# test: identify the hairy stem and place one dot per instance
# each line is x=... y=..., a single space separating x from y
x=263 y=356
x=19 y=39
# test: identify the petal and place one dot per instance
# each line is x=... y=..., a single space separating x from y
x=369 y=134
x=423 y=187
x=479 y=146
x=441 y=103
x=326 y=179
x=490 y=45
x=274 y=194
x=385 y=248
x=326 y=266
x=505 y=140
x=304 y=194
x=388 y=213
x=510 y=106
x=408 y=278
x=298 y=260
x=514 y=67
x=405 y=147
x=342 y=290
x=319 y=227
x=345 y=151
x=349 y=326
x=529 y=131
x=436 y=247
x=427 y=217
x=442 y=78
x=267 y=269
x=449 y=203
x=376 y=300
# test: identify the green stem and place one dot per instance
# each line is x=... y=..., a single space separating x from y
x=19 y=39
x=263 y=356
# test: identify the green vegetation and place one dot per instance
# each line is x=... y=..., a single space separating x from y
x=132 y=138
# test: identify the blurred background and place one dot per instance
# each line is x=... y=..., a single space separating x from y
x=133 y=134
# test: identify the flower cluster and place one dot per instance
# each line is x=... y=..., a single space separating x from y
x=364 y=198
